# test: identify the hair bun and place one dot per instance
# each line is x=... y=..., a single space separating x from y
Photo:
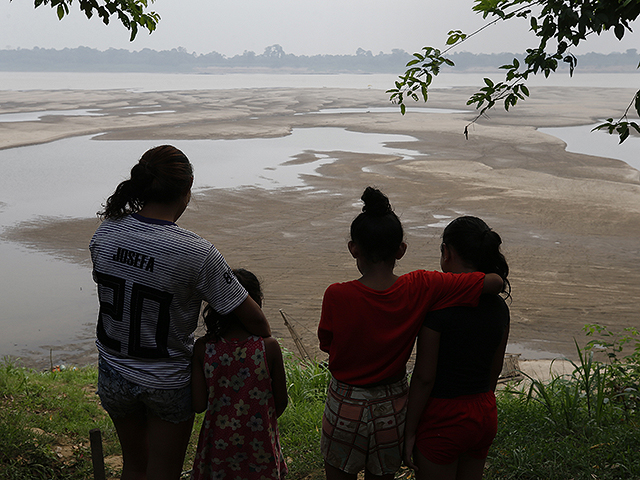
x=375 y=202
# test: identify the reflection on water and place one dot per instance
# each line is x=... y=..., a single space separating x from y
x=45 y=301
x=35 y=116
x=39 y=115
x=74 y=176
x=581 y=139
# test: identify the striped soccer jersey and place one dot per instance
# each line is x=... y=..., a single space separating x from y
x=152 y=277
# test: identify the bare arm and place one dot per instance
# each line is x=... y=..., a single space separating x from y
x=199 y=391
x=422 y=380
x=325 y=332
x=252 y=317
x=278 y=377
x=493 y=283
x=498 y=359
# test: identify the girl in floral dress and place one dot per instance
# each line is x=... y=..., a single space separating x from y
x=239 y=379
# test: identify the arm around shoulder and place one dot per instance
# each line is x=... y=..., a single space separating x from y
x=252 y=317
x=278 y=376
x=493 y=284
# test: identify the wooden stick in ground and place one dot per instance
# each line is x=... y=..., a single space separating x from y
x=296 y=338
x=97 y=458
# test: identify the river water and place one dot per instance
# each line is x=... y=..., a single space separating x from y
x=48 y=302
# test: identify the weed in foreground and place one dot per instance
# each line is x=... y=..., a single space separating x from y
x=580 y=426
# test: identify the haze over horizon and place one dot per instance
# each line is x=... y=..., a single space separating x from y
x=302 y=28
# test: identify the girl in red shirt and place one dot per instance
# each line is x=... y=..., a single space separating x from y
x=368 y=327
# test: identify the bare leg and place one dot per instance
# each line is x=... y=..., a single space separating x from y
x=132 y=432
x=432 y=471
x=470 y=468
x=167 y=447
x=334 y=473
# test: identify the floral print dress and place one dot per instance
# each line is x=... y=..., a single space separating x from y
x=239 y=435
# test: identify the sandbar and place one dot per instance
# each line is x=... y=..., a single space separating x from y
x=570 y=222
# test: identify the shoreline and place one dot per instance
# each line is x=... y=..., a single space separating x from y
x=569 y=222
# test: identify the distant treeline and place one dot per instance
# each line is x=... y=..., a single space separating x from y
x=178 y=60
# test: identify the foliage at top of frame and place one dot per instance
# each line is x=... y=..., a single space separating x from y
x=558 y=24
x=132 y=14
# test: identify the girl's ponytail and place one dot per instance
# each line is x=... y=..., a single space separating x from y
x=123 y=201
x=162 y=175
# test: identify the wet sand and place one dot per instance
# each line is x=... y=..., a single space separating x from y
x=570 y=223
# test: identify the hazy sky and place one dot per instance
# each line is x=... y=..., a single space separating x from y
x=301 y=27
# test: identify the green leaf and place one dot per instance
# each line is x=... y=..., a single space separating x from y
x=624 y=134
x=428 y=79
x=403 y=108
x=637 y=102
x=60 y=11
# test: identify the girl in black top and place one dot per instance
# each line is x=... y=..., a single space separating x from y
x=451 y=416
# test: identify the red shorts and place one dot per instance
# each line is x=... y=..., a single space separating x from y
x=450 y=427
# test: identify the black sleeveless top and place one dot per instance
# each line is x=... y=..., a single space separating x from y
x=469 y=339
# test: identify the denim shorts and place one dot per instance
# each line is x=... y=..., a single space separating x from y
x=120 y=397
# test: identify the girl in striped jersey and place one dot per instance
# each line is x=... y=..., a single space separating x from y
x=152 y=277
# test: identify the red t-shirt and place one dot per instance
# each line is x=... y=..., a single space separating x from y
x=369 y=334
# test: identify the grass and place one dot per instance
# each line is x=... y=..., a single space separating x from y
x=45 y=420
x=580 y=426
x=585 y=425
x=301 y=422
x=530 y=445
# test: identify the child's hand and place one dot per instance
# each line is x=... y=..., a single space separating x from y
x=409 y=443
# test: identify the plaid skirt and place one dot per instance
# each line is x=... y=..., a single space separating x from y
x=363 y=428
